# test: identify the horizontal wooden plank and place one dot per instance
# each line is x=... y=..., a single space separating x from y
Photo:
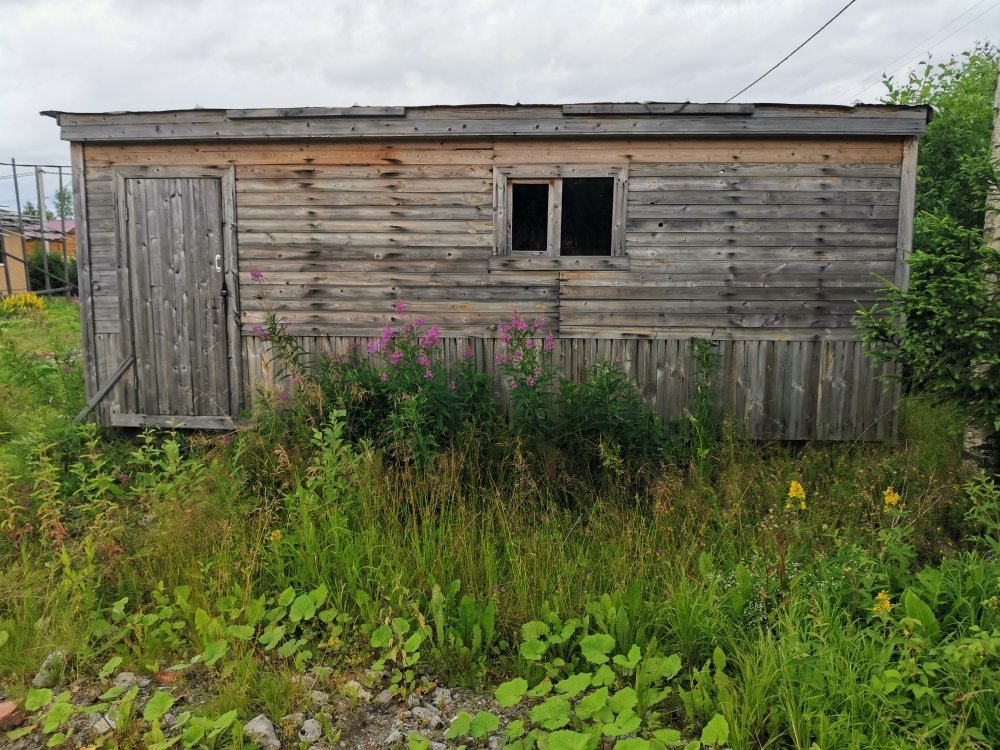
x=513 y=263
x=721 y=293
x=712 y=256
x=368 y=213
x=532 y=126
x=572 y=308
x=748 y=225
x=763 y=197
x=614 y=320
x=352 y=226
x=307 y=112
x=790 y=182
x=367 y=185
x=658 y=108
x=298 y=172
x=664 y=239
x=176 y=423
x=302 y=296
x=333 y=240
x=832 y=212
x=764 y=268
x=400 y=263
x=766 y=169
x=575 y=331
x=313 y=198
x=369 y=275
x=339 y=251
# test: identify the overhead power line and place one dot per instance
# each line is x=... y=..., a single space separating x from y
x=877 y=75
x=932 y=47
x=785 y=58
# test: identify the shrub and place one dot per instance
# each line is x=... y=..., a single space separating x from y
x=59 y=271
x=21 y=304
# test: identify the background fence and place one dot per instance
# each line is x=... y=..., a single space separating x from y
x=37 y=229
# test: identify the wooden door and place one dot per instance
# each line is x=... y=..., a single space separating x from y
x=176 y=275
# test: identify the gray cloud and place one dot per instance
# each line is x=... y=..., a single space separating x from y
x=102 y=55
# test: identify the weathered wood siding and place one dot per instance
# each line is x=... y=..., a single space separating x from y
x=766 y=245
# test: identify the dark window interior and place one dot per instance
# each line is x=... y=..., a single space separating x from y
x=586 y=215
x=530 y=219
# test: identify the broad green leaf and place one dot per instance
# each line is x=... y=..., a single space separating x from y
x=113 y=663
x=552 y=714
x=624 y=700
x=919 y=611
x=625 y=723
x=633 y=743
x=225 y=720
x=286 y=597
x=214 y=651
x=574 y=685
x=630 y=661
x=240 y=632
x=719 y=659
x=667 y=736
x=290 y=647
x=595 y=648
x=566 y=739
x=57 y=739
x=401 y=626
x=534 y=630
x=113 y=692
x=459 y=726
x=255 y=610
x=416 y=741
x=716 y=732
x=158 y=705
x=664 y=667
x=591 y=703
x=514 y=730
x=484 y=724
x=319 y=594
x=36 y=698
x=511 y=692
x=302 y=609
x=604 y=675
x=271 y=637
x=542 y=689
x=328 y=615
x=533 y=650
x=414 y=641
x=58 y=714
x=381 y=637
x=193 y=735
x=4 y=637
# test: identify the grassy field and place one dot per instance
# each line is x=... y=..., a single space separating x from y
x=739 y=595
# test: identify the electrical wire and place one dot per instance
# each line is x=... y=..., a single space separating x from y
x=876 y=76
x=785 y=58
x=936 y=44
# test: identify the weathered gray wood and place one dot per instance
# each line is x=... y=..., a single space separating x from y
x=907 y=197
x=530 y=263
x=308 y=112
x=765 y=169
x=84 y=271
x=104 y=390
x=176 y=422
x=763 y=197
x=42 y=241
x=658 y=108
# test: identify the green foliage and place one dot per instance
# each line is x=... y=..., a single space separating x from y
x=59 y=271
x=945 y=329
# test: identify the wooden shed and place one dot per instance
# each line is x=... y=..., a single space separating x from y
x=631 y=228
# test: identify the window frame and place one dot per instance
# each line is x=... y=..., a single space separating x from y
x=552 y=175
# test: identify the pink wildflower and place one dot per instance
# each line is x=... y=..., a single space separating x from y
x=395 y=357
x=417 y=322
x=529 y=343
x=256 y=275
x=257 y=329
x=431 y=339
x=423 y=360
x=468 y=352
x=513 y=384
x=428 y=374
x=373 y=347
x=353 y=346
x=384 y=377
x=399 y=307
x=520 y=324
x=295 y=380
x=550 y=342
x=539 y=323
x=529 y=382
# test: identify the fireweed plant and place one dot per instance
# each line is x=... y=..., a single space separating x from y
x=525 y=359
x=401 y=396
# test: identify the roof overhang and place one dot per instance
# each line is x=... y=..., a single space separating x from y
x=589 y=120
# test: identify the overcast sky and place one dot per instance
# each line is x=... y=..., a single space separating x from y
x=108 y=55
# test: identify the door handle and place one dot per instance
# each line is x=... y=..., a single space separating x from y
x=218 y=263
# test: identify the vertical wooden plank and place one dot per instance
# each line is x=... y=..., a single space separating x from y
x=619 y=211
x=232 y=286
x=84 y=273
x=554 y=237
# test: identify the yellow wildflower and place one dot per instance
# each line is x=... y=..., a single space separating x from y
x=796 y=496
x=891 y=499
x=883 y=605
x=276 y=535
